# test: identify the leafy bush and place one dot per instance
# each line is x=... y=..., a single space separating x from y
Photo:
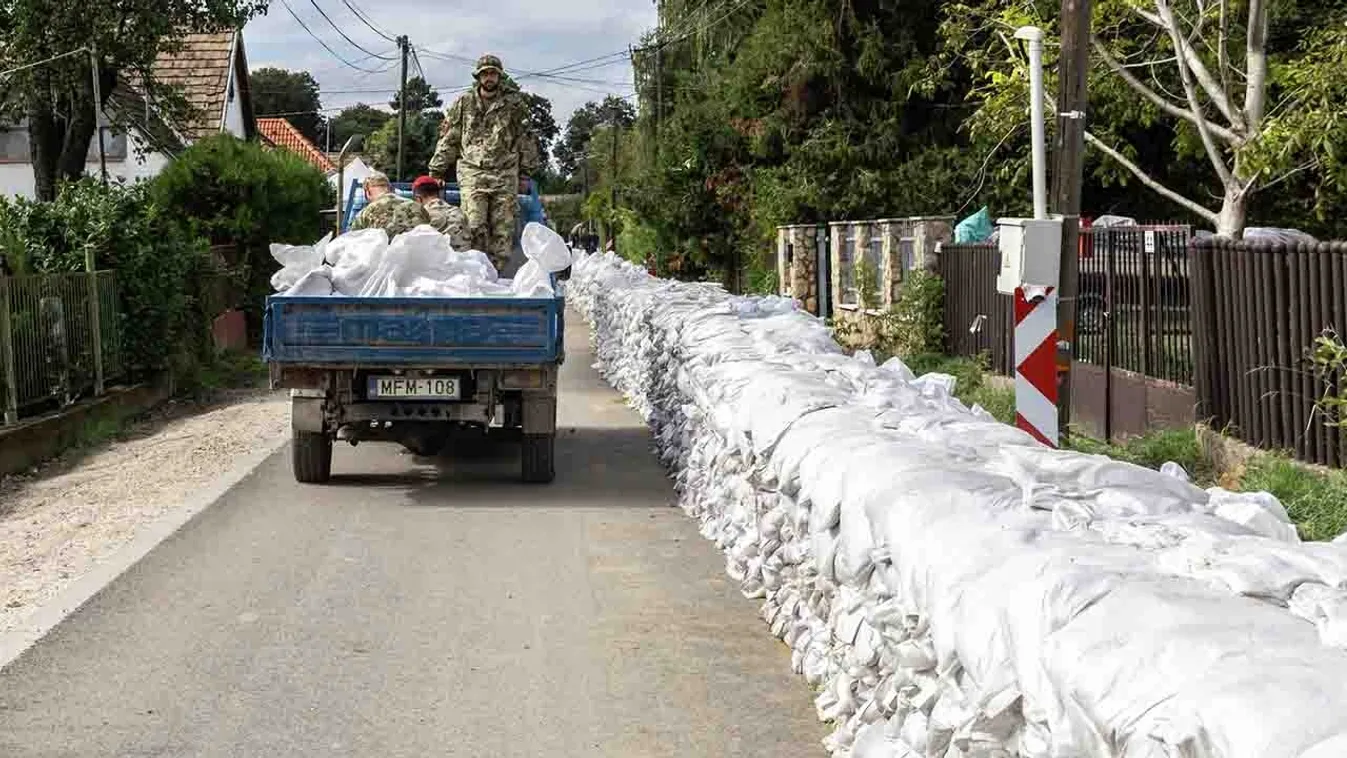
x=158 y=261
x=240 y=194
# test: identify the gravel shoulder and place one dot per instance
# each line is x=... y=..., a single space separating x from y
x=60 y=521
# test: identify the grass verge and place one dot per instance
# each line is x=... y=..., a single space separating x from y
x=1315 y=499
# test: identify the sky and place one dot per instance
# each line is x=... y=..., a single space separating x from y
x=528 y=35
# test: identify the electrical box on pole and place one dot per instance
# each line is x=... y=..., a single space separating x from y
x=1030 y=271
x=1030 y=253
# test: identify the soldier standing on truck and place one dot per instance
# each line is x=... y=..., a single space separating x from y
x=447 y=219
x=386 y=210
x=486 y=137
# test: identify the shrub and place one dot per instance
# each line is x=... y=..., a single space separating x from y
x=240 y=194
x=158 y=261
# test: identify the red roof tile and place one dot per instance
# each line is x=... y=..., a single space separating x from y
x=283 y=134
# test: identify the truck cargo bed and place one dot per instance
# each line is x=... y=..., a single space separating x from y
x=413 y=331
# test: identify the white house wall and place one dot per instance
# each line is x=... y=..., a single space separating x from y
x=233 y=122
x=16 y=179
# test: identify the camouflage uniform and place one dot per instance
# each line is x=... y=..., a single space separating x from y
x=448 y=220
x=489 y=141
x=393 y=214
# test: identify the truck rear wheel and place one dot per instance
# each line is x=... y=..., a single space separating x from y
x=312 y=459
x=536 y=452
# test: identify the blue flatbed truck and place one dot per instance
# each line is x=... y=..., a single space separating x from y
x=530 y=209
x=416 y=371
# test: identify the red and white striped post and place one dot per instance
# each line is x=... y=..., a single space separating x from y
x=1036 y=362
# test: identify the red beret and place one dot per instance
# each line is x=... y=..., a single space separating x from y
x=425 y=181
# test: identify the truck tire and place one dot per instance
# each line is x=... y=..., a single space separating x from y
x=536 y=458
x=312 y=457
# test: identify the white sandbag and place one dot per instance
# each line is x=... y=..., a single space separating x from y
x=531 y=281
x=302 y=257
x=316 y=283
x=950 y=585
x=545 y=247
x=1260 y=511
x=1326 y=608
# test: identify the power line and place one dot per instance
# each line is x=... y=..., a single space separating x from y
x=52 y=59
x=449 y=57
x=417 y=60
x=368 y=22
x=320 y=41
x=343 y=34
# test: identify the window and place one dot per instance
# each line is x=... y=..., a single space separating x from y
x=14 y=144
x=846 y=265
x=907 y=246
x=874 y=264
x=114 y=146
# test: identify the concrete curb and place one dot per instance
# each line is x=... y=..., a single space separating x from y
x=15 y=642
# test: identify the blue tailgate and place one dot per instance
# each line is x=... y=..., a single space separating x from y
x=419 y=331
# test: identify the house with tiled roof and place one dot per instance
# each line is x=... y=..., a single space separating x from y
x=282 y=135
x=209 y=71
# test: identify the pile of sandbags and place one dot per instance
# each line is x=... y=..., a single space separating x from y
x=418 y=263
x=950 y=587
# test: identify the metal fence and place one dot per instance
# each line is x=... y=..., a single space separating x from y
x=978 y=319
x=60 y=340
x=1134 y=299
x=1257 y=310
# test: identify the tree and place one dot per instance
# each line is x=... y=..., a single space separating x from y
x=423 y=131
x=420 y=96
x=541 y=125
x=357 y=119
x=1193 y=99
x=291 y=94
x=56 y=97
x=580 y=129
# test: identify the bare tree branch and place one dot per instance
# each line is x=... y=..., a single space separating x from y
x=1148 y=180
x=1166 y=21
x=1255 y=60
x=1250 y=187
x=1159 y=100
x=1185 y=75
x=1223 y=47
x=1150 y=64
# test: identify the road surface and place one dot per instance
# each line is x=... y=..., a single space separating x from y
x=425 y=608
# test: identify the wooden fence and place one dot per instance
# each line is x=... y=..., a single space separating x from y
x=978 y=319
x=1133 y=365
x=1257 y=310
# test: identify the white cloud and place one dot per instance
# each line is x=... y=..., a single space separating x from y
x=526 y=34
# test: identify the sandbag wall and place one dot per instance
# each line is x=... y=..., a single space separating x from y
x=948 y=586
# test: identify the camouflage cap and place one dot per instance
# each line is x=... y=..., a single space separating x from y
x=487 y=62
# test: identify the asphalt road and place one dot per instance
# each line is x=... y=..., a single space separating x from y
x=425 y=608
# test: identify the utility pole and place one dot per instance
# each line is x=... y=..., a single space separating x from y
x=404 y=47
x=612 y=186
x=98 y=113
x=1067 y=181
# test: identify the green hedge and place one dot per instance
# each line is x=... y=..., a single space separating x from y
x=157 y=234
x=158 y=259
x=245 y=196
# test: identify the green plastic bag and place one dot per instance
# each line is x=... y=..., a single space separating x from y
x=975 y=228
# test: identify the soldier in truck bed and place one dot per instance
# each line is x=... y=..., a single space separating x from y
x=386 y=210
x=446 y=219
x=486 y=137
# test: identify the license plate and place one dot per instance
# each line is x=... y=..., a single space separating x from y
x=415 y=388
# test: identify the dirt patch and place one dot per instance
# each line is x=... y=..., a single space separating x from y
x=61 y=520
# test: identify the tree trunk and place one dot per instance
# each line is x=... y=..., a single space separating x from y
x=59 y=146
x=45 y=135
x=1234 y=209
